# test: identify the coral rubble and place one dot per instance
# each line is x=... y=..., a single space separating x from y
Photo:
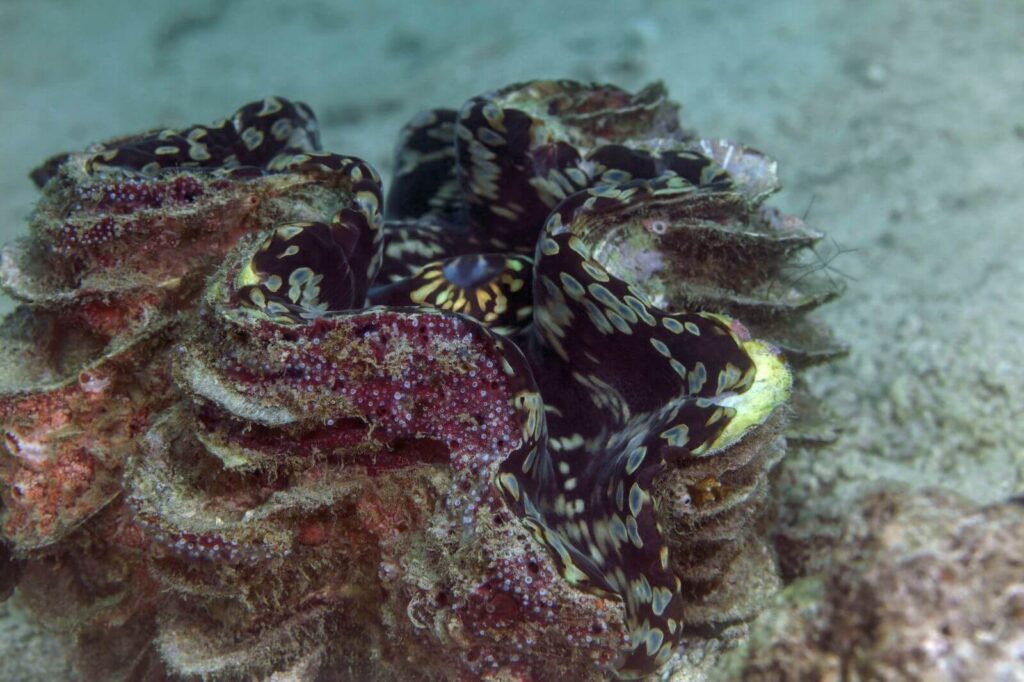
x=515 y=430
x=920 y=585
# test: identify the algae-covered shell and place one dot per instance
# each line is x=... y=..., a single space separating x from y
x=70 y=411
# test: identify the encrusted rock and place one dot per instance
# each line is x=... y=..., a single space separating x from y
x=920 y=586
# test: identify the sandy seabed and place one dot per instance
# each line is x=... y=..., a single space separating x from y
x=898 y=126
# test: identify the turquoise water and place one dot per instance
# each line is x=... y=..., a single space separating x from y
x=367 y=67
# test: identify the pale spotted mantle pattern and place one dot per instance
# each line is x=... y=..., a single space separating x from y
x=263 y=135
x=305 y=270
x=622 y=383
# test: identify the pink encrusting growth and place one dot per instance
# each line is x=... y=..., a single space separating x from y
x=57 y=474
x=131 y=194
x=121 y=209
x=397 y=373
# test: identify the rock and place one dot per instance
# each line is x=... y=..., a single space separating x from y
x=920 y=586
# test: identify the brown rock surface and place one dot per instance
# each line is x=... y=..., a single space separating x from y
x=920 y=586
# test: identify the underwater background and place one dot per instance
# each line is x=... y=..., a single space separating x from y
x=898 y=128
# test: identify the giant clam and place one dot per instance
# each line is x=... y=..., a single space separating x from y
x=505 y=424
